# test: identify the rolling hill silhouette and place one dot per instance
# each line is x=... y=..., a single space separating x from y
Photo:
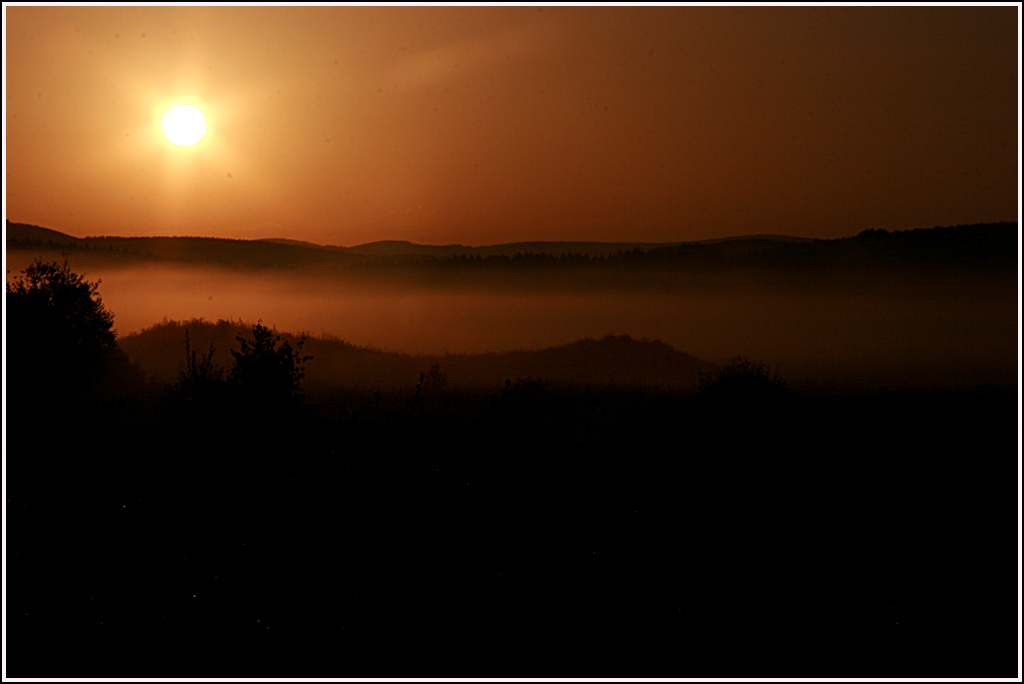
x=19 y=233
x=160 y=352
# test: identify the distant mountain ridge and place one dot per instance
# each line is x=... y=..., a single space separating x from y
x=591 y=248
x=991 y=245
x=23 y=232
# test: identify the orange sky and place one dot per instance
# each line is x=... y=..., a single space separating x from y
x=344 y=125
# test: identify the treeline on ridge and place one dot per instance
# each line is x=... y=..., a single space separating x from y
x=986 y=246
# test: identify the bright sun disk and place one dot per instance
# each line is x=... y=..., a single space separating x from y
x=184 y=125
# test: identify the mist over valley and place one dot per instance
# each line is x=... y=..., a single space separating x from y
x=928 y=306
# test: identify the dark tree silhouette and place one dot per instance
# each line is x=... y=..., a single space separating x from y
x=59 y=334
x=50 y=297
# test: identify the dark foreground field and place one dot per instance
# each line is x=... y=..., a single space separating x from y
x=531 y=531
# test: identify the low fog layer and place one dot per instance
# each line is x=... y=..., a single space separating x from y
x=886 y=328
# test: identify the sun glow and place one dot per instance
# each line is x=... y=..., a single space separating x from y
x=184 y=125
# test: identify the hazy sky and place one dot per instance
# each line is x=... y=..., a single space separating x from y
x=344 y=125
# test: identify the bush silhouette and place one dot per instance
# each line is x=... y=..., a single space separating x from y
x=200 y=385
x=199 y=372
x=742 y=380
x=432 y=384
x=267 y=369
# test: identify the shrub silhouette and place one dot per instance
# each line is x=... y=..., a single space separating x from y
x=267 y=369
x=742 y=380
x=199 y=372
x=201 y=384
x=432 y=384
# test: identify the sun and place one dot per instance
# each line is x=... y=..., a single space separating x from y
x=184 y=125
